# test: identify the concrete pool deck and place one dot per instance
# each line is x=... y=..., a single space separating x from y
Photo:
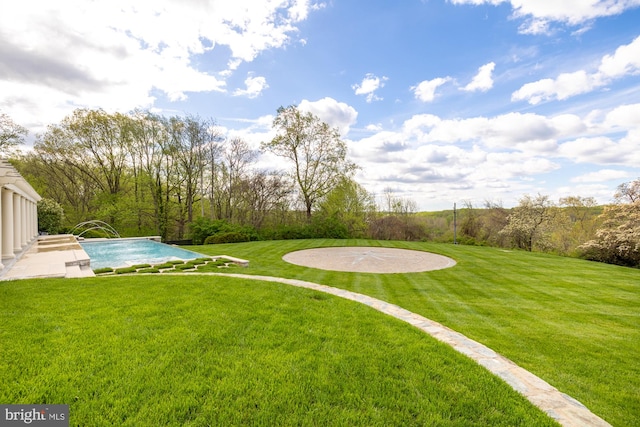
x=49 y=256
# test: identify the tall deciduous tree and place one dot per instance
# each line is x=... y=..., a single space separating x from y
x=11 y=134
x=526 y=223
x=318 y=155
x=617 y=241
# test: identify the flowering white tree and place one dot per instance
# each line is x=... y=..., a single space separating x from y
x=618 y=239
x=527 y=223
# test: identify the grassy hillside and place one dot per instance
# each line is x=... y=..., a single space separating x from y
x=572 y=322
x=151 y=350
x=140 y=351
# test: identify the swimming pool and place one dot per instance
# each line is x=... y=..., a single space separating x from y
x=126 y=252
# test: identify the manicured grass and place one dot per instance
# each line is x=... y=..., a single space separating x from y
x=574 y=323
x=203 y=350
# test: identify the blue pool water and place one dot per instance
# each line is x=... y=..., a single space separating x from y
x=125 y=252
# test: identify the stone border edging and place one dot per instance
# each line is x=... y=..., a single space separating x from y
x=561 y=407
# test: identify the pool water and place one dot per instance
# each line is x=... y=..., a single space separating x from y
x=126 y=252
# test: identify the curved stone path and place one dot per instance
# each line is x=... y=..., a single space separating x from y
x=563 y=408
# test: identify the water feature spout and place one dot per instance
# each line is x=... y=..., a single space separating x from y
x=94 y=225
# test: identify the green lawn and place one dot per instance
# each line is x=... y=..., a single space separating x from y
x=574 y=323
x=197 y=350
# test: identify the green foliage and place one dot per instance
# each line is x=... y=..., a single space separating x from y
x=50 y=216
x=617 y=241
x=11 y=134
x=204 y=230
x=164 y=266
x=317 y=155
x=202 y=227
x=141 y=265
x=125 y=270
x=528 y=223
x=227 y=237
x=149 y=270
x=346 y=210
x=103 y=270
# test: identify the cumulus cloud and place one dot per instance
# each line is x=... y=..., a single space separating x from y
x=425 y=91
x=483 y=81
x=539 y=14
x=601 y=176
x=368 y=87
x=336 y=114
x=121 y=55
x=503 y=155
x=255 y=86
x=625 y=61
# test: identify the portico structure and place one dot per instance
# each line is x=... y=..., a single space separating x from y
x=18 y=212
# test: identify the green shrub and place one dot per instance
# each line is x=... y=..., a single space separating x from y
x=126 y=270
x=184 y=267
x=202 y=228
x=228 y=237
x=141 y=266
x=103 y=270
x=50 y=216
x=164 y=266
x=149 y=270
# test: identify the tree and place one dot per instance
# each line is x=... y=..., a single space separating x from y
x=50 y=216
x=526 y=223
x=628 y=192
x=11 y=134
x=316 y=151
x=617 y=241
x=351 y=205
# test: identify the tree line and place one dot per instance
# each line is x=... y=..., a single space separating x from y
x=181 y=178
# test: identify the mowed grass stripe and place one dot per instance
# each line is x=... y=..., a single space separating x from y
x=201 y=350
x=574 y=323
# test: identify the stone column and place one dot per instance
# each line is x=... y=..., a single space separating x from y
x=33 y=231
x=23 y=222
x=17 y=223
x=35 y=220
x=7 y=224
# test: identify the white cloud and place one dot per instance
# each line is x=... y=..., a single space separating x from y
x=336 y=114
x=425 y=91
x=539 y=14
x=603 y=150
x=483 y=81
x=526 y=132
x=369 y=85
x=625 y=61
x=601 y=176
x=118 y=54
x=255 y=86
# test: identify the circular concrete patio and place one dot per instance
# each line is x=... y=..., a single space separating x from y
x=369 y=259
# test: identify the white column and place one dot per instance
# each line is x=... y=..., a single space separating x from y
x=23 y=222
x=35 y=220
x=7 y=224
x=31 y=232
x=17 y=223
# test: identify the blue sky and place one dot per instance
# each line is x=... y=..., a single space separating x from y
x=439 y=101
